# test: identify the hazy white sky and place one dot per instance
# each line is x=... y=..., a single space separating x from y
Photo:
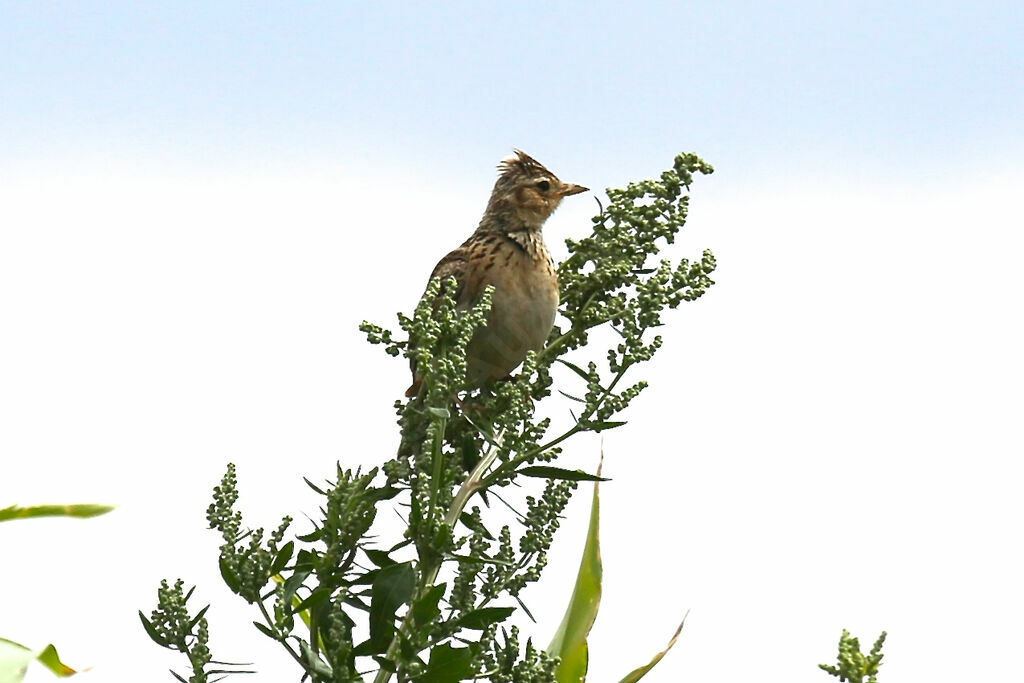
x=194 y=204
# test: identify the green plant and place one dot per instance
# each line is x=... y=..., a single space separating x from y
x=429 y=607
x=15 y=658
x=853 y=665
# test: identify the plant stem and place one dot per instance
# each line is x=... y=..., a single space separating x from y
x=575 y=429
x=471 y=485
x=270 y=624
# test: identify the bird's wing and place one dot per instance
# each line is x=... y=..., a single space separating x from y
x=462 y=264
x=457 y=265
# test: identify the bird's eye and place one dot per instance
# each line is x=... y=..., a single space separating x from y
x=544 y=186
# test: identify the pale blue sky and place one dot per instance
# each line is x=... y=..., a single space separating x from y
x=757 y=88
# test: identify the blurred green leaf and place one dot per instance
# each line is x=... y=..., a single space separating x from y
x=570 y=642
x=80 y=510
x=15 y=659
x=637 y=674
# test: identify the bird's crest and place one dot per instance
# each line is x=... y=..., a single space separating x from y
x=521 y=165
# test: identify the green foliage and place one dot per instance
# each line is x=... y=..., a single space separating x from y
x=80 y=510
x=570 y=641
x=853 y=665
x=430 y=606
x=15 y=658
x=171 y=626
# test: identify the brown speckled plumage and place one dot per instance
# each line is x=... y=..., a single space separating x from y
x=508 y=251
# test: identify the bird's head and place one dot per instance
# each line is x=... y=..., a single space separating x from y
x=526 y=193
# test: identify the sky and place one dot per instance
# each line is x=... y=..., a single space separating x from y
x=200 y=202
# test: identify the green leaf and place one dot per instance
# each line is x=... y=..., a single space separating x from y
x=283 y=557
x=570 y=641
x=637 y=674
x=575 y=368
x=197 y=617
x=314 y=662
x=314 y=487
x=290 y=586
x=265 y=630
x=448 y=664
x=473 y=525
x=548 y=472
x=51 y=660
x=148 y=625
x=392 y=587
x=315 y=598
x=15 y=659
x=379 y=558
x=229 y=576
x=80 y=510
x=441 y=413
x=479 y=619
x=425 y=609
x=603 y=426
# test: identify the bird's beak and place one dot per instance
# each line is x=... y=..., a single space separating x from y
x=569 y=189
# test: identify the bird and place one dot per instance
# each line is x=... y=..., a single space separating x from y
x=507 y=251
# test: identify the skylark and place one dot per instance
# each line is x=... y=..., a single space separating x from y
x=508 y=251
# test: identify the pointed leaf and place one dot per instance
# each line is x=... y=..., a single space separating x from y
x=49 y=658
x=148 y=625
x=314 y=487
x=475 y=525
x=570 y=641
x=548 y=472
x=15 y=659
x=603 y=426
x=575 y=368
x=284 y=555
x=265 y=630
x=479 y=619
x=379 y=558
x=392 y=587
x=196 y=618
x=315 y=598
x=637 y=674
